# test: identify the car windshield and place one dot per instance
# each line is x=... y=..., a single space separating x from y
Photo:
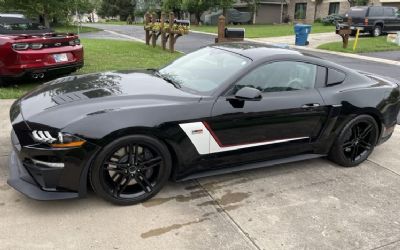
x=9 y=25
x=205 y=70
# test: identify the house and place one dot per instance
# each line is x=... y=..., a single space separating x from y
x=278 y=11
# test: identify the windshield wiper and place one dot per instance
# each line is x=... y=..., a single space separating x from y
x=168 y=79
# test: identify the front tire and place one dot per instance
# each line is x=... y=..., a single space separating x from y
x=355 y=142
x=131 y=169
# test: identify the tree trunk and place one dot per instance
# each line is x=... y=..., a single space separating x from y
x=198 y=17
x=254 y=11
x=46 y=20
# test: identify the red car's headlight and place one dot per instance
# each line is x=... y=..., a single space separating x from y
x=20 y=46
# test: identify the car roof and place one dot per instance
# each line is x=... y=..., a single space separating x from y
x=256 y=51
x=12 y=15
x=14 y=20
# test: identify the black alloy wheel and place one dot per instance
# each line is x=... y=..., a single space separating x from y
x=356 y=141
x=131 y=170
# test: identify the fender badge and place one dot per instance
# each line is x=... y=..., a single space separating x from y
x=197 y=131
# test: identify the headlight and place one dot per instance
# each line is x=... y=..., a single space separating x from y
x=62 y=140
x=20 y=46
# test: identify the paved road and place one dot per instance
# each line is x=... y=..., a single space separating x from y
x=306 y=205
x=187 y=43
x=391 y=55
x=194 y=41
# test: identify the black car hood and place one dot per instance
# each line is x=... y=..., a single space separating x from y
x=61 y=101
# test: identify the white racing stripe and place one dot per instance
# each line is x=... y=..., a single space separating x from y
x=205 y=143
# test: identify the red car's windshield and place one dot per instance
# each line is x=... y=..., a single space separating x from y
x=13 y=25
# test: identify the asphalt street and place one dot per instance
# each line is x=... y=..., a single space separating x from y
x=193 y=41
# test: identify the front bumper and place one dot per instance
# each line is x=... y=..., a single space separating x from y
x=23 y=182
x=32 y=173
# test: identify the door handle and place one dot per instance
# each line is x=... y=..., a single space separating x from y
x=310 y=105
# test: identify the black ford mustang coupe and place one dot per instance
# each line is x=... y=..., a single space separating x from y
x=223 y=108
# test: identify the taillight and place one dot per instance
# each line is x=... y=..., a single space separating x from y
x=75 y=42
x=20 y=46
x=36 y=46
x=25 y=46
x=366 y=21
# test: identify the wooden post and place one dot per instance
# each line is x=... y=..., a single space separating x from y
x=153 y=33
x=221 y=30
x=171 y=34
x=146 y=23
x=163 y=39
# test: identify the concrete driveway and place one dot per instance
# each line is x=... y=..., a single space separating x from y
x=306 y=205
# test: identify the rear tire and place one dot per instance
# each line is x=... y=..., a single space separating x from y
x=355 y=142
x=131 y=169
x=377 y=31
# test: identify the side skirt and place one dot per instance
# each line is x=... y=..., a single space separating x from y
x=249 y=166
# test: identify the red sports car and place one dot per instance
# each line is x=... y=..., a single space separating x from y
x=29 y=49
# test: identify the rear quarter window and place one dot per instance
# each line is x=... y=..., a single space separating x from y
x=388 y=12
x=375 y=11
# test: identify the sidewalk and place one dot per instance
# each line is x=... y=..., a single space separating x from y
x=314 y=39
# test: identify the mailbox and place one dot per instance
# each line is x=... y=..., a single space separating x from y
x=343 y=29
x=182 y=22
x=235 y=33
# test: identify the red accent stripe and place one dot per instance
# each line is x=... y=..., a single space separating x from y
x=213 y=134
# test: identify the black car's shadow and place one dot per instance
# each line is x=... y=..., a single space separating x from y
x=178 y=191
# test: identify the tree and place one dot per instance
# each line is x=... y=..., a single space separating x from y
x=123 y=8
x=253 y=6
x=174 y=6
x=224 y=5
x=196 y=7
x=46 y=10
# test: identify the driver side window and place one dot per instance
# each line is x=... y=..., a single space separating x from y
x=280 y=76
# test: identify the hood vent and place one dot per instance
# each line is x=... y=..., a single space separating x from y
x=69 y=97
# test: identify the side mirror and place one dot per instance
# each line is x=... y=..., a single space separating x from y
x=247 y=93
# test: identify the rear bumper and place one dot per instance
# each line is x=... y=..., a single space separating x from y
x=58 y=69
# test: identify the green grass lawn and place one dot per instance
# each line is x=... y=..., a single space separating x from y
x=104 y=55
x=266 y=30
x=74 y=29
x=365 y=44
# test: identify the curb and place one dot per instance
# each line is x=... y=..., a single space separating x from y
x=125 y=36
x=354 y=56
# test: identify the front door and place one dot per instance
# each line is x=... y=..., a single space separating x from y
x=285 y=121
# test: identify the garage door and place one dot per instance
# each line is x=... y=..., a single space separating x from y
x=268 y=13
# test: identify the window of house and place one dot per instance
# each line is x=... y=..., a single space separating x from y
x=333 y=8
x=300 y=10
x=280 y=76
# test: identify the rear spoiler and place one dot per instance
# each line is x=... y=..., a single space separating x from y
x=379 y=77
x=47 y=35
